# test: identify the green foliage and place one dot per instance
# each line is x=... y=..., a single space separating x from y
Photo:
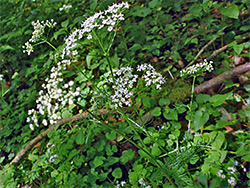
x=161 y=140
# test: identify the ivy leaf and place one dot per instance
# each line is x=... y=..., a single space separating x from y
x=231 y=11
x=156 y=111
x=117 y=173
x=200 y=118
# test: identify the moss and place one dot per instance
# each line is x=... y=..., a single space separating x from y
x=177 y=90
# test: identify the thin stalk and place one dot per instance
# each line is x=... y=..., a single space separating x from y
x=135 y=144
x=191 y=103
x=51 y=45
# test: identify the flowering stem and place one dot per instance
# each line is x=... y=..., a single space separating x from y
x=134 y=143
x=51 y=45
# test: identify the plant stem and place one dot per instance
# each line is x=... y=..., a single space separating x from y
x=191 y=103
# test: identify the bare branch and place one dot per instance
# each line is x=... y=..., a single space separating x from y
x=221 y=78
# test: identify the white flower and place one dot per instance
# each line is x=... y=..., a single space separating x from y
x=231 y=181
x=233 y=169
x=52 y=158
x=89 y=36
x=45 y=123
x=31 y=126
x=65 y=7
x=1 y=77
x=198 y=69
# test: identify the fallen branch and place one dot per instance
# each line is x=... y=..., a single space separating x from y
x=200 y=52
x=33 y=142
x=221 y=78
x=226 y=46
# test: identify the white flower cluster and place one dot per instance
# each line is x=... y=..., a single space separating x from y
x=107 y=18
x=39 y=29
x=65 y=7
x=233 y=169
x=1 y=77
x=220 y=174
x=123 y=82
x=151 y=76
x=52 y=157
x=142 y=182
x=121 y=184
x=232 y=181
x=198 y=69
x=53 y=98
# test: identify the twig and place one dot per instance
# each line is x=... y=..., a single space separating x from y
x=200 y=52
x=226 y=46
x=225 y=76
x=44 y=134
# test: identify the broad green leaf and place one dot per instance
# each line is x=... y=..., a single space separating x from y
x=218 y=99
x=238 y=48
x=223 y=156
x=80 y=137
x=98 y=161
x=66 y=114
x=155 y=151
x=219 y=140
x=200 y=119
x=231 y=11
x=111 y=135
x=65 y=23
x=202 y=98
x=163 y=102
x=172 y=115
x=194 y=159
x=156 y=111
x=146 y=101
x=117 y=173
x=127 y=155
x=247 y=158
x=142 y=12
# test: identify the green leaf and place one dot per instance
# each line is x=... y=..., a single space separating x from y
x=80 y=137
x=200 y=118
x=194 y=159
x=66 y=114
x=202 y=98
x=65 y=23
x=223 y=156
x=146 y=101
x=127 y=155
x=163 y=102
x=238 y=48
x=219 y=140
x=98 y=161
x=117 y=173
x=156 y=111
x=155 y=151
x=142 y=12
x=111 y=135
x=246 y=158
x=6 y=47
x=218 y=99
x=231 y=11
x=172 y=115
